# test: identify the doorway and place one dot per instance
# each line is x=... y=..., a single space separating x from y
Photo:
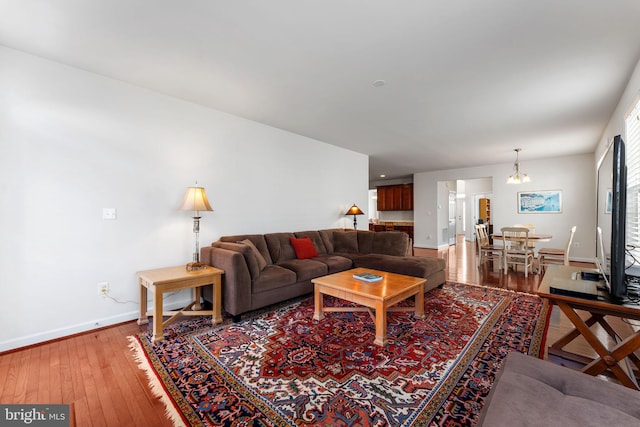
x=453 y=210
x=458 y=207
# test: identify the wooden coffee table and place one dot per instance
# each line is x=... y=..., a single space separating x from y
x=376 y=297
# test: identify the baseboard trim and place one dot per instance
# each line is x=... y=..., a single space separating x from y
x=55 y=334
x=426 y=247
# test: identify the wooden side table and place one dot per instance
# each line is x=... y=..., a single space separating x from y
x=162 y=280
x=609 y=359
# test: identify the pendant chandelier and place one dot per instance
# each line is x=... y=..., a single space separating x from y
x=517 y=177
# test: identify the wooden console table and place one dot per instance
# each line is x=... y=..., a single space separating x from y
x=609 y=360
x=162 y=280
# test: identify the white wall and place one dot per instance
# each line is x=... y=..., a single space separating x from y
x=73 y=142
x=616 y=124
x=573 y=175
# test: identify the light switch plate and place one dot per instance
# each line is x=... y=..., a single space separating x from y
x=108 y=213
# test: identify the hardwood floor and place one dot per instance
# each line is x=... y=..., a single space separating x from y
x=96 y=374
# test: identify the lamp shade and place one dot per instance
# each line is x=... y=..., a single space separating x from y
x=354 y=210
x=195 y=199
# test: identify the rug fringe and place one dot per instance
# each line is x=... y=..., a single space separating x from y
x=157 y=389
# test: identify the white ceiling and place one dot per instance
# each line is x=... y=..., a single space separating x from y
x=467 y=81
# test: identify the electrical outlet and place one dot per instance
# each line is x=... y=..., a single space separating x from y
x=103 y=288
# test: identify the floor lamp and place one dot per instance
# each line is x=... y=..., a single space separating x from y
x=195 y=199
x=354 y=210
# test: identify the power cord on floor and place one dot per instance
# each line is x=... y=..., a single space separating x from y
x=106 y=294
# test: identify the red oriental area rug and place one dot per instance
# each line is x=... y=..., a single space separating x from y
x=279 y=367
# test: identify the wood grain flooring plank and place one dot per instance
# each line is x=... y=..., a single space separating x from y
x=33 y=375
x=77 y=381
x=8 y=377
x=113 y=404
x=98 y=395
x=65 y=377
x=55 y=373
x=21 y=365
x=45 y=368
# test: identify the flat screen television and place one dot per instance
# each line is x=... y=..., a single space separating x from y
x=612 y=214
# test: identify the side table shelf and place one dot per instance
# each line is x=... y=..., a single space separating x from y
x=170 y=279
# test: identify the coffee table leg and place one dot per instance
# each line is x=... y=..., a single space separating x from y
x=420 y=302
x=381 y=324
x=317 y=297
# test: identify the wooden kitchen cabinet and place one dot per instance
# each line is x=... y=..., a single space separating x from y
x=406 y=200
x=395 y=197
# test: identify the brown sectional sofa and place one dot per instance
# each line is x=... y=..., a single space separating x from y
x=267 y=270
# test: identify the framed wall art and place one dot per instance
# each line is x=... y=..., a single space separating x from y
x=544 y=201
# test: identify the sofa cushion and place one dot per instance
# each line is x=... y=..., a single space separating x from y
x=247 y=253
x=280 y=247
x=410 y=266
x=257 y=239
x=390 y=243
x=345 y=241
x=316 y=238
x=334 y=262
x=305 y=269
x=365 y=241
x=528 y=391
x=273 y=277
x=327 y=239
x=262 y=263
x=303 y=247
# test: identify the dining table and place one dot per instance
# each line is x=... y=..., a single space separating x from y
x=533 y=238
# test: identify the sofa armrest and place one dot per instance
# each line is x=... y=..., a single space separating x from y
x=236 y=280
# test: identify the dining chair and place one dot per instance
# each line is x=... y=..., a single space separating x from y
x=532 y=230
x=547 y=256
x=487 y=251
x=517 y=254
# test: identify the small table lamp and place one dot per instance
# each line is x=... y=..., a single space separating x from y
x=354 y=210
x=195 y=199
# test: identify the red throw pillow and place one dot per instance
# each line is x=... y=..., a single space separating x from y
x=304 y=247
